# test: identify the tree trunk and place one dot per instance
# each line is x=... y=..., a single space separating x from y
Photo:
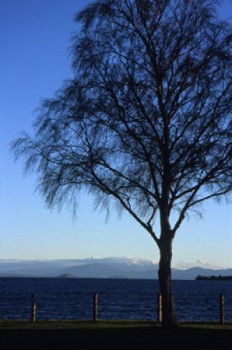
x=165 y=280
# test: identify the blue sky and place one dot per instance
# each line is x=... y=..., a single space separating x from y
x=34 y=61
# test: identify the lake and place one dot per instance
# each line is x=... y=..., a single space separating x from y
x=118 y=299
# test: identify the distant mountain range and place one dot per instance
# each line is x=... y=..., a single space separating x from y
x=98 y=268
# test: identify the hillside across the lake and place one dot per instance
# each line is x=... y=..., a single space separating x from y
x=99 y=268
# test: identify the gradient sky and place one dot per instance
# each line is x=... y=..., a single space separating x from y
x=34 y=61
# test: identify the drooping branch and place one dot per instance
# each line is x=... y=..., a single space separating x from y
x=146 y=118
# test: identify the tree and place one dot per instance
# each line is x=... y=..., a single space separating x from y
x=146 y=120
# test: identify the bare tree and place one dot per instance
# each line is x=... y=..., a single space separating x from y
x=146 y=120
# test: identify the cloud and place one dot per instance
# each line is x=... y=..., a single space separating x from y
x=199 y=263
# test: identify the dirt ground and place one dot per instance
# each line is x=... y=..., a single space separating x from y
x=123 y=339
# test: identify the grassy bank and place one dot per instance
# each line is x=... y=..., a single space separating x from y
x=57 y=324
x=112 y=335
x=77 y=324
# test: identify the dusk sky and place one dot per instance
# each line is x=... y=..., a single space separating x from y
x=34 y=61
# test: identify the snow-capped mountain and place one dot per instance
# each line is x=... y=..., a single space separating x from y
x=115 y=268
x=97 y=267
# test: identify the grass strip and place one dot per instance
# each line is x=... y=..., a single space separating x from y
x=106 y=324
x=60 y=324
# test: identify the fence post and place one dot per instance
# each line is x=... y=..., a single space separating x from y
x=222 y=309
x=95 y=307
x=159 y=308
x=33 y=307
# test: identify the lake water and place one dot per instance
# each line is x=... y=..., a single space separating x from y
x=118 y=299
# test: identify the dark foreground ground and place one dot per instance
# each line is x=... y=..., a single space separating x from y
x=118 y=338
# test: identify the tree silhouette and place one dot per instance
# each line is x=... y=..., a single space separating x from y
x=146 y=120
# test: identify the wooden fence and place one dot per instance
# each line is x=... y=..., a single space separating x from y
x=159 y=308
